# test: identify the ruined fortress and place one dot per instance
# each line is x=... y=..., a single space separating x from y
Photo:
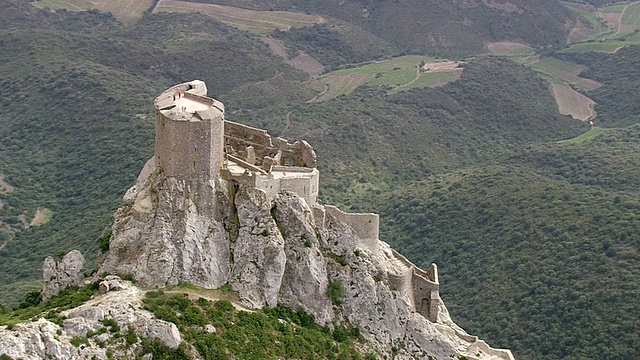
x=193 y=140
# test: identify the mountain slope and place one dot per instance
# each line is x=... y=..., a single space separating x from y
x=439 y=27
x=547 y=240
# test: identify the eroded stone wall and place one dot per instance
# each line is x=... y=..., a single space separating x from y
x=366 y=226
x=256 y=147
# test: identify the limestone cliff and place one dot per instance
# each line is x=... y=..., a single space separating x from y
x=273 y=251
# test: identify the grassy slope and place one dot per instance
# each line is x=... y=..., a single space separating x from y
x=545 y=244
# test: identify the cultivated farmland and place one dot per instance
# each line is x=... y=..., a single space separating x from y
x=127 y=11
x=564 y=71
x=397 y=74
x=243 y=19
x=572 y=103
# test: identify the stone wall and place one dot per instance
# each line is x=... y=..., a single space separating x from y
x=302 y=181
x=424 y=288
x=366 y=226
x=256 y=147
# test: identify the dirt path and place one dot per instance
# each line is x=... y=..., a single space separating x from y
x=287 y=121
x=622 y=17
x=418 y=74
x=194 y=295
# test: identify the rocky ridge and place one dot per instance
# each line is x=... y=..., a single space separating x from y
x=117 y=311
x=272 y=252
x=221 y=204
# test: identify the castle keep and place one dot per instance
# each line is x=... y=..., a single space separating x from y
x=194 y=141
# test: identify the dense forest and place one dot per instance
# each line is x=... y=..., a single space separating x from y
x=532 y=224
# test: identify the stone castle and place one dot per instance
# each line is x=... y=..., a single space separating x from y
x=193 y=140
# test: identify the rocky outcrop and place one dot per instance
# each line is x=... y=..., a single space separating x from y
x=43 y=339
x=60 y=274
x=190 y=223
x=273 y=252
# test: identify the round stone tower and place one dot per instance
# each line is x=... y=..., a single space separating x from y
x=189 y=132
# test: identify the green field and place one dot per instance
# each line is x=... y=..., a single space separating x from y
x=593 y=25
x=591 y=134
x=556 y=70
x=243 y=19
x=127 y=11
x=398 y=74
x=624 y=19
x=603 y=46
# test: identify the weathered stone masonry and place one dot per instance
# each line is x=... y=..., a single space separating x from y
x=193 y=140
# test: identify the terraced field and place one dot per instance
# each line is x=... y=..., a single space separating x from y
x=591 y=25
x=397 y=74
x=624 y=23
x=554 y=69
x=625 y=18
x=505 y=48
x=243 y=19
x=127 y=11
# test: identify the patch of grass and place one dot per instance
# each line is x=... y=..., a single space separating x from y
x=261 y=334
x=243 y=19
x=557 y=70
x=127 y=11
x=335 y=292
x=31 y=307
x=103 y=241
x=604 y=46
x=589 y=135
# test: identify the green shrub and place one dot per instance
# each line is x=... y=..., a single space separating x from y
x=32 y=298
x=103 y=241
x=335 y=292
x=78 y=340
x=131 y=337
x=111 y=324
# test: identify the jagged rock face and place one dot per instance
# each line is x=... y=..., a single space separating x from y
x=259 y=255
x=60 y=274
x=173 y=232
x=272 y=252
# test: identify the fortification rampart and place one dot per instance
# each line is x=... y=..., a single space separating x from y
x=193 y=140
x=424 y=287
x=365 y=226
